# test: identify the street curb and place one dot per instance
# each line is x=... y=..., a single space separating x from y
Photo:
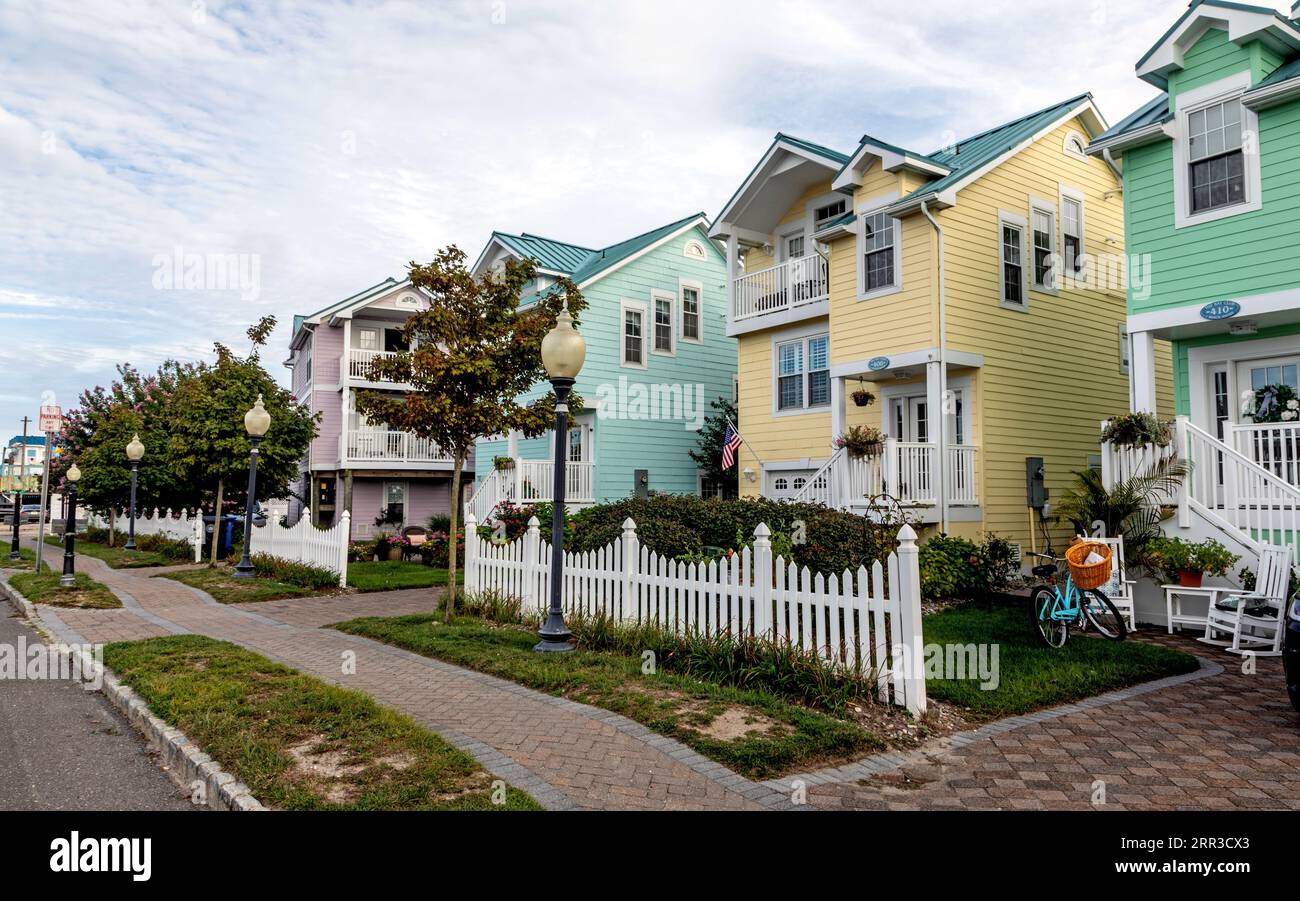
x=192 y=770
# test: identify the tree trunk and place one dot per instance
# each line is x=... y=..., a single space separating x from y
x=216 y=519
x=112 y=526
x=457 y=466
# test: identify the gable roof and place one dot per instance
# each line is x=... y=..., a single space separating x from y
x=1243 y=22
x=967 y=159
x=819 y=154
x=551 y=255
x=1154 y=112
x=601 y=261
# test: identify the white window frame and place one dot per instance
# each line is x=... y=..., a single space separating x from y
x=814 y=223
x=683 y=285
x=1068 y=145
x=635 y=306
x=1019 y=222
x=406 y=499
x=803 y=335
x=863 y=293
x=782 y=237
x=1125 y=349
x=694 y=250
x=372 y=330
x=1047 y=208
x=1066 y=192
x=1192 y=101
x=671 y=299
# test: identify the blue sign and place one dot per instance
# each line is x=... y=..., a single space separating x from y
x=875 y=364
x=1220 y=309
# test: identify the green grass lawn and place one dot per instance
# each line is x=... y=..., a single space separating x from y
x=752 y=732
x=297 y=742
x=1033 y=676
x=26 y=559
x=117 y=557
x=390 y=575
x=220 y=582
x=43 y=588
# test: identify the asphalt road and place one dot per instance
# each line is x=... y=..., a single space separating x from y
x=65 y=748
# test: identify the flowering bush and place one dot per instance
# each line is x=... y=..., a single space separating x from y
x=433 y=551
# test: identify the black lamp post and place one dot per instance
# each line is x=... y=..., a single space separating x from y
x=69 y=577
x=256 y=422
x=563 y=353
x=134 y=451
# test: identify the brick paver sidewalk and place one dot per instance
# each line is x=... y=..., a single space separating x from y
x=1216 y=739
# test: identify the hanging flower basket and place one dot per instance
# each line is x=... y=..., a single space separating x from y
x=861 y=441
x=863 y=397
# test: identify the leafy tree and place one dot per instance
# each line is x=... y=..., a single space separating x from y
x=709 y=455
x=209 y=446
x=474 y=352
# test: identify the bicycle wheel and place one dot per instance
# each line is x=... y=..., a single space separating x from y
x=1103 y=615
x=1054 y=634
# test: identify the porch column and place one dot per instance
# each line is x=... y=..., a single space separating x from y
x=347 y=494
x=733 y=266
x=1142 y=372
x=512 y=444
x=838 y=413
x=934 y=429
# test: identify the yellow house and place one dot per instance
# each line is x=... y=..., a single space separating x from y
x=968 y=303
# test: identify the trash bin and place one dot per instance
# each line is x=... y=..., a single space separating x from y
x=225 y=537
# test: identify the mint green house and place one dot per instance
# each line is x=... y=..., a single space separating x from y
x=1211 y=174
x=657 y=355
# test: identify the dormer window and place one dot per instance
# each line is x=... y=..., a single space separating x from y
x=1216 y=159
x=824 y=214
x=1214 y=148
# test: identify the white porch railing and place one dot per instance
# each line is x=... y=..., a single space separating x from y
x=531 y=482
x=358 y=362
x=903 y=470
x=379 y=446
x=791 y=284
x=850 y=620
x=1274 y=446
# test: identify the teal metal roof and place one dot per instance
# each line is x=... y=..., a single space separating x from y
x=557 y=256
x=974 y=152
x=1282 y=73
x=885 y=145
x=819 y=149
x=603 y=259
x=1152 y=112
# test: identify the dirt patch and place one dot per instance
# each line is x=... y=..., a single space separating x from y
x=738 y=722
x=899 y=730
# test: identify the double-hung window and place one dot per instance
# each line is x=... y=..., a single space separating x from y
x=633 y=335
x=691 y=313
x=794 y=246
x=803 y=373
x=1217 y=173
x=1072 y=233
x=879 y=252
x=1012 y=244
x=663 y=333
x=1044 y=228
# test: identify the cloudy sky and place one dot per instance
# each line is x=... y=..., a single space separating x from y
x=331 y=142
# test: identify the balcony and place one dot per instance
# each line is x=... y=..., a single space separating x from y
x=356 y=365
x=381 y=449
x=795 y=289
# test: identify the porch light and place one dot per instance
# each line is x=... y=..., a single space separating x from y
x=563 y=349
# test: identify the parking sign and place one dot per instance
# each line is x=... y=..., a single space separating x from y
x=51 y=420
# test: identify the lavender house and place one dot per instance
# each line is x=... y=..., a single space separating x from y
x=387 y=479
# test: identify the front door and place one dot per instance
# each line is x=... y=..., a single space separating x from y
x=1276 y=447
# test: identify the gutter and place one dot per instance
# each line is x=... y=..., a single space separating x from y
x=943 y=375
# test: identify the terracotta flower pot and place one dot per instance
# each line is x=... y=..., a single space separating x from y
x=1190 y=578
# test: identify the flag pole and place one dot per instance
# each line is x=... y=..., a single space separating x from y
x=744 y=442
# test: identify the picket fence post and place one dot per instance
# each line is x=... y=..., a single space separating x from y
x=198 y=536
x=532 y=551
x=762 y=580
x=631 y=556
x=345 y=524
x=471 y=552
x=908 y=642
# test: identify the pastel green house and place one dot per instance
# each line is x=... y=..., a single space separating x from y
x=657 y=355
x=1211 y=175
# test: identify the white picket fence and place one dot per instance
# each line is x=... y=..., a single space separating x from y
x=302 y=542
x=850 y=620
x=177 y=525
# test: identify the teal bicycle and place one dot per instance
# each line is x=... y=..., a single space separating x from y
x=1056 y=609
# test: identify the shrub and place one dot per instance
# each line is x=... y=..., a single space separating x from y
x=440 y=522
x=1249 y=581
x=171 y=548
x=492 y=605
x=304 y=575
x=952 y=567
x=433 y=552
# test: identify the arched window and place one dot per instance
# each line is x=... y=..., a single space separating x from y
x=1076 y=146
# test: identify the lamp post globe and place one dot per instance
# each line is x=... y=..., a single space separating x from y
x=134 y=453
x=69 y=577
x=563 y=353
x=257 y=422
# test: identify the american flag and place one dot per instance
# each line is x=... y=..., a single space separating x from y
x=731 y=442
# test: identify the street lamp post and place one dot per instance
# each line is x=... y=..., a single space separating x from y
x=256 y=422
x=563 y=353
x=134 y=451
x=69 y=577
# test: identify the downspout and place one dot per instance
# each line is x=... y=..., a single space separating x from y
x=943 y=376
x=1114 y=167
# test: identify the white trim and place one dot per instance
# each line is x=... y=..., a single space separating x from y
x=1231 y=354
x=722 y=227
x=637 y=306
x=656 y=295
x=698 y=222
x=406 y=500
x=1066 y=148
x=791 y=230
x=1242 y=25
x=853 y=369
x=698 y=287
x=860 y=228
x=1188 y=102
x=1048 y=208
x=804 y=334
x=920 y=388
x=890 y=161
x=1015 y=220
x=1252 y=306
x=693 y=245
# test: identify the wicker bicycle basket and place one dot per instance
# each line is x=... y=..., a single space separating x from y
x=1088 y=575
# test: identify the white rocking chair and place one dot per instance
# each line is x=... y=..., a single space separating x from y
x=1119 y=588
x=1253 y=622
